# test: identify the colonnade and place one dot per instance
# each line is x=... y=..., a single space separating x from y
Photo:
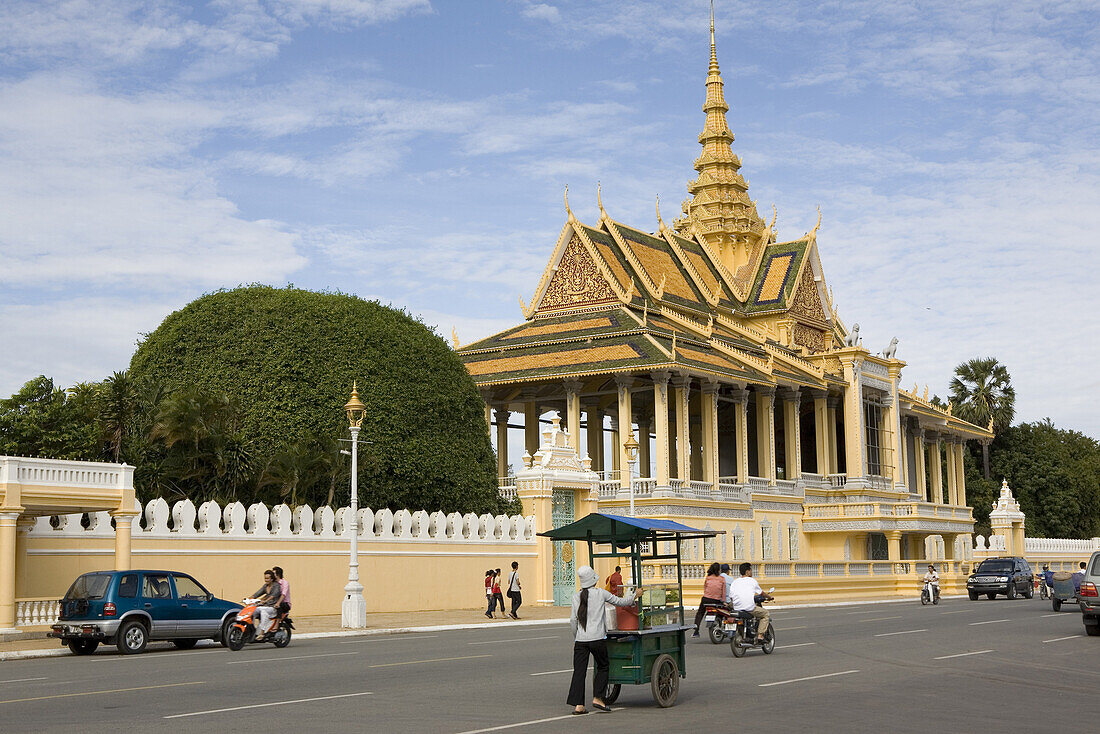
x=934 y=456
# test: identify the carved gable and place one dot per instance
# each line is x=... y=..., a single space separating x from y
x=577 y=282
x=807 y=301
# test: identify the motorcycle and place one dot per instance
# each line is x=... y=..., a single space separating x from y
x=1044 y=590
x=721 y=621
x=743 y=636
x=243 y=630
x=932 y=596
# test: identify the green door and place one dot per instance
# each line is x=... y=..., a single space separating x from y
x=563 y=512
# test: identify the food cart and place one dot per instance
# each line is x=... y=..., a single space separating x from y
x=653 y=651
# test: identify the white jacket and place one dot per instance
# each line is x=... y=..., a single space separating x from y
x=596 y=628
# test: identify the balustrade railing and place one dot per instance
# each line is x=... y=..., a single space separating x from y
x=37 y=612
x=837 y=481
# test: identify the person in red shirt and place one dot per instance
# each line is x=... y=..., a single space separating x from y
x=615 y=582
x=497 y=596
x=714 y=592
x=489 y=594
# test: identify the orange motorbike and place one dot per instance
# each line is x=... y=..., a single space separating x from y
x=243 y=630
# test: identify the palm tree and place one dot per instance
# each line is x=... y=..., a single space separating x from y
x=982 y=391
x=118 y=398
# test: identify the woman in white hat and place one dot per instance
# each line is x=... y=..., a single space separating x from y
x=590 y=637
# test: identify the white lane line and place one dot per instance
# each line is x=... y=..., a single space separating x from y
x=800 y=644
x=788 y=619
x=905 y=632
x=431 y=660
x=555 y=672
x=872 y=611
x=809 y=677
x=200 y=652
x=962 y=654
x=264 y=705
x=518 y=639
x=881 y=619
x=394 y=638
x=959 y=611
x=20 y=680
x=1059 y=639
x=502 y=727
x=788 y=629
x=989 y=621
x=1056 y=614
x=293 y=657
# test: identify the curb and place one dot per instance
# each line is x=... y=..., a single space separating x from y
x=31 y=654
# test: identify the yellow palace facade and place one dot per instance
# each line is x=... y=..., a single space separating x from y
x=756 y=410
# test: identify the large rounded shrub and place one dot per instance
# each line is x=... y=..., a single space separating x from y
x=288 y=358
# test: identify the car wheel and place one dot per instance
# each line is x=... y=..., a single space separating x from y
x=973 y=595
x=1012 y=590
x=1092 y=630
x=83 y=647
x=132 y=638
x=186 y=644
x=991 y=596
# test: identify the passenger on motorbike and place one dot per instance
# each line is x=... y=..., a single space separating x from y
x=268 y=597
x=932 y=579
x=744 y=595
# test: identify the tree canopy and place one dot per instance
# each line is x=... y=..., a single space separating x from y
x=261 y=374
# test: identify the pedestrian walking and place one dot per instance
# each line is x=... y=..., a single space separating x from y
x=514 y=587
x=589 y=628
x=498 y=598
x=492 y=603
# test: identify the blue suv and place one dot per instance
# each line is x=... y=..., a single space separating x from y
x=131 y=608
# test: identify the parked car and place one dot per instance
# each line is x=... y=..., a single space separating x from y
x=1089 y=598
x=1008 y=575
x=131 y=608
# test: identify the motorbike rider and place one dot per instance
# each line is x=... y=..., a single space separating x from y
x=1048 y=576
x=932 y=578
x=744 y=593
x=268 y=597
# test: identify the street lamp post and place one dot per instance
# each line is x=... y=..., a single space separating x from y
x=630 y=446
x=353 y=610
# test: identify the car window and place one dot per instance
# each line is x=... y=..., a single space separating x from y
x=156 y=586
x=128 y=586
x=89 y=586
x=995 y=567
x=1095 y=571
x=188 y=588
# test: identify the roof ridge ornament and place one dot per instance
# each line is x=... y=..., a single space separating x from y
x=599 y=201
x=813 y=232
x=572 y=219
x=660 y=222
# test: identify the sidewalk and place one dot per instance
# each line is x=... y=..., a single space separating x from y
x=329 y=625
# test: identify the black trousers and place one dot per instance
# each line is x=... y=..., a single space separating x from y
x=702 y=609
x=492 y=604
x=581 y=651
x=517 y=599
x=498 y=598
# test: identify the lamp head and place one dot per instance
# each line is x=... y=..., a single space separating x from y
x=631 y=447
x=355 y=408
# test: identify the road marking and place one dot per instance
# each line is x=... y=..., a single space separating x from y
x=809 y=677
x=519 y=724
x=962 y=654
x=906 y=632
x=989 y=621
x=788 y=629
x=871 y=611
x=20 y=680
x=788 y=619
x=395 y=638
x=274 y=659
x=555 y=672
x=881 y=619
x=263 y=705
x=959 y=611
x=93 y=693
x=800 y=644
x=1059 y=639
x=518 y=639
x=1056 y=614
x=433 y=660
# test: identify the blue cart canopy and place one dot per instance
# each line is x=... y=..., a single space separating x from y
x=622 y=531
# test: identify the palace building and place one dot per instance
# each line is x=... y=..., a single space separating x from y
x=756 y=410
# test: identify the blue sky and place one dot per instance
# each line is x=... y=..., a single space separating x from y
x=416 y=152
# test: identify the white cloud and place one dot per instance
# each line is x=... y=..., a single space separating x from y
x=542 y=11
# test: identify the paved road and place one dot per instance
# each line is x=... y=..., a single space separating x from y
x=960 y=666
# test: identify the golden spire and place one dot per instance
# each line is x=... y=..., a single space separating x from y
x=720 y=213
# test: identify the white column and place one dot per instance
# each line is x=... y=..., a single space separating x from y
x=623 y=384
x=681 y=394
x=660 y=417
x=765 y=432
x=573 y=413
x=709 y=418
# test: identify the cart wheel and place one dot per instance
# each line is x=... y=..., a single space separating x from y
x=716 y=634
x=612 y=694
x=769 y=641
x=735 y=645
x=665 y=680
x=1056 y=604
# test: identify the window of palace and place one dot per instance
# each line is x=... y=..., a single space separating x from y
x=872 y=419
x=766 y=542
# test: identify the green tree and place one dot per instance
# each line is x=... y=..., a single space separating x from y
x=288 y=357
x=42 y=420
x=982 y=391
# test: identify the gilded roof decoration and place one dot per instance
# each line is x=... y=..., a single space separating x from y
x=578 y=281
x=807 y=299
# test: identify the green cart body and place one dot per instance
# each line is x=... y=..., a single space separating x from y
x=655 y=655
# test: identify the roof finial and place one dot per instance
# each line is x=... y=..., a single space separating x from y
x=599 y=199
x=567 y=209
x=660 y=222
x=813 y=232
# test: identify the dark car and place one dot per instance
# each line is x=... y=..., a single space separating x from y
x=131 y=608
x=1089 y=597
x=1009 y=575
